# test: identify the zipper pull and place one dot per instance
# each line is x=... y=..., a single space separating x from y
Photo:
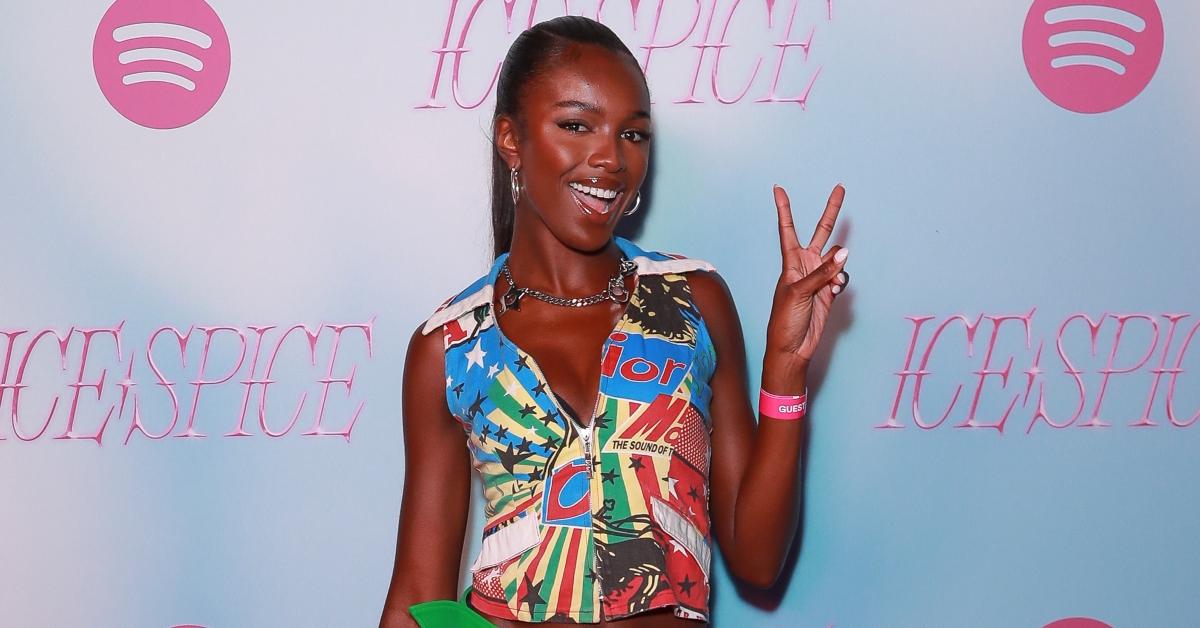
x=586 y=437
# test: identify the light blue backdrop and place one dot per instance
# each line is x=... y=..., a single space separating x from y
x=316 y=191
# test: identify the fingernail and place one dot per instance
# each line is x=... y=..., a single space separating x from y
x=840 y=256
x=837 y=289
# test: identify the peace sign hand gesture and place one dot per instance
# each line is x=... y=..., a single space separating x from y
x=807 y=284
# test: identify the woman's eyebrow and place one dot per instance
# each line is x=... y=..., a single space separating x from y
x=579 y=104
x=593 y=108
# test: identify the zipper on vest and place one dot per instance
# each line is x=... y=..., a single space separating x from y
x=591 y=492
x=589 y=440
x=585 y=438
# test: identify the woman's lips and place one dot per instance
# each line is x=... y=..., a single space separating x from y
x=590 y=205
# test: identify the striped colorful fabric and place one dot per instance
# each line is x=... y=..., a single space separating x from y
x=577 y=532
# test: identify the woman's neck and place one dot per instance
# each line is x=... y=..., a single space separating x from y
x=546 y=264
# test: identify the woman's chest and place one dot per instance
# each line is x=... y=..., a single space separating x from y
x=564 y=353
x=550 y=382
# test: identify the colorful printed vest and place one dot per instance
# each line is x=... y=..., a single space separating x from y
x=581 y=531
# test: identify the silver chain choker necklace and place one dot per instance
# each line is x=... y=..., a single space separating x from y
x=615 y=291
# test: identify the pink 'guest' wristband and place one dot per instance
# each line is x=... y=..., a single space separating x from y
x=783 y=407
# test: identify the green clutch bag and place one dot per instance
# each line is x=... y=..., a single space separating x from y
x=448 y=614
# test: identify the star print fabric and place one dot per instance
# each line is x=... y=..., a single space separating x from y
x=576 y=538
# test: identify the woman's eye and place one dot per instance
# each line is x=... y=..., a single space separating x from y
x=636 y=135
x=571 y=126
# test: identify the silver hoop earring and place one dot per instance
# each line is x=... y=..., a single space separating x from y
x=512 y=182
x=637 y=201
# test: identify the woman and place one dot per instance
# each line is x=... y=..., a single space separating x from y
x=600 y=387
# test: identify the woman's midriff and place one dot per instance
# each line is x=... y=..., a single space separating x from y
x=657 y=618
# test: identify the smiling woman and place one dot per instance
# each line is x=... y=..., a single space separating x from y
x=615 y=450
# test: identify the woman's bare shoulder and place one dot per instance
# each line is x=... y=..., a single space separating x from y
x=711 y=293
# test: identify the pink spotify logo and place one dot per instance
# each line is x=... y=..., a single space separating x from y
x=1092 y=56
x=1077 y=622
x=160 y=64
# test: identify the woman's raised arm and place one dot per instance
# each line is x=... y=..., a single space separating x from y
x=755 y=479
x=437 y=488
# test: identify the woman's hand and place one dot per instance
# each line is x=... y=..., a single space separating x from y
x=806 y=285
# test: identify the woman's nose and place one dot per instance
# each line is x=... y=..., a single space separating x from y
x=606 y=154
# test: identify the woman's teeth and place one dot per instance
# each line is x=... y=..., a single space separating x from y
x=600 y=193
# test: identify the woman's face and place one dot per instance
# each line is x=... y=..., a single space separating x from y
x=582 y=145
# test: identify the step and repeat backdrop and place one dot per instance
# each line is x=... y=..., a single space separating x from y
x=220 y=222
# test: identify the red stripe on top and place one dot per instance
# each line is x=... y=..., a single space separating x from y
x=568 y=569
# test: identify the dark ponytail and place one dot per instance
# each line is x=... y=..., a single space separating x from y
x=530 y=53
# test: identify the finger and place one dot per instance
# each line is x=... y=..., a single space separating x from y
x=828 y=218
x=841 y=282
x=789 y=243
x=824 y=274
